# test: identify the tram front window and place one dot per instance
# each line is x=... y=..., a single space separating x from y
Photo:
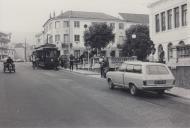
x=51 y=53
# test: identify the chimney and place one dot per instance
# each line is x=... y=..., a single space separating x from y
x=50 y=16
x=54 y=14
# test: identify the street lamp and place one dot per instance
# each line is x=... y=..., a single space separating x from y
x=134 y=36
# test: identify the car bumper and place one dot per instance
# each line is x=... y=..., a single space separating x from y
x=152 y=88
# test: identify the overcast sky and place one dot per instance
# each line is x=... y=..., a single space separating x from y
x=24 y=18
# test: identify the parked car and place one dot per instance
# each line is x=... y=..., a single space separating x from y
x=142 y=76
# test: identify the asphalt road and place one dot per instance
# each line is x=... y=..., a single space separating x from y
x=57 y=99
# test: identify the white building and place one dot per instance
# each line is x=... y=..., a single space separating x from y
x=67 y=30
x=4 y=40
x=40 y=39
x=170 y=30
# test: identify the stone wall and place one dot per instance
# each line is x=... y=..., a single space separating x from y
x=182 y=75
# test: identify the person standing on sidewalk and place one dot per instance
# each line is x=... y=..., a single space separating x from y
x=71 y=62
x=102 y=63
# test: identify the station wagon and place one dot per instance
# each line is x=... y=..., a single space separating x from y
x=142 y=76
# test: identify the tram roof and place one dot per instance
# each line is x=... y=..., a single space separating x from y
x=46 y=46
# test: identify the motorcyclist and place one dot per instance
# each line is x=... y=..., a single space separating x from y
x=9 y=61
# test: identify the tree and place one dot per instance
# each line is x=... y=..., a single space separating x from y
x=139 y=45
x=98 y=36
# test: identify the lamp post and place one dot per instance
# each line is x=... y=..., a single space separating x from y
x=134 y=36
x=88 y=48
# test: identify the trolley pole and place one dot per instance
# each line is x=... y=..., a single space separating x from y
x=25 y=51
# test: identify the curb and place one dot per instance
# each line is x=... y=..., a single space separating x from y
x=81 y=73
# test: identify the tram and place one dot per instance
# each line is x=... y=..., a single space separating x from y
x=47 y=55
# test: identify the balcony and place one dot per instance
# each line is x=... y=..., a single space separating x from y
x=4 y=40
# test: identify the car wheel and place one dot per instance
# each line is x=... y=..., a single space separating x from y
x=110 y=83
x=161 y=92
x=133 y=90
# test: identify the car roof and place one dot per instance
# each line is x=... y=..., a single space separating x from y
x=142 y=63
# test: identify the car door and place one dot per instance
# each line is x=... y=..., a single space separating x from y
x=118 y=77
x=133 y=74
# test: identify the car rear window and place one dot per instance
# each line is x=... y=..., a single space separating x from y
x=157 y=70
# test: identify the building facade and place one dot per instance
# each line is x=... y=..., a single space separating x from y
x=40 y=39
x=4 y=41
x=170 y=31
x=67 y=30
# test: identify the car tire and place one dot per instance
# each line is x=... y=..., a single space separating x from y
x=110 y=83
x=133 y=90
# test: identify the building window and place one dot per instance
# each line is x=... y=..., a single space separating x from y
x=65 y=24
x=112 y=25
x=39 y=40
x=161 y=53
x=183 y=51
x=121 y=26
x=157 y=21
x=66 y=38
x=57 y=38
x=50 y=26
x=77 y=53
x=77 y=38
x=163 y=21
x=184 y=14
x=170 y=19
x=176 y=17
x=57 y=24
x=76 y=24
x=170 y=51
x=121 y=39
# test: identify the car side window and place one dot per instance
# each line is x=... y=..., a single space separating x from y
x=129 y=68
x=122 y=68
x=137 y=69
x=134 y=68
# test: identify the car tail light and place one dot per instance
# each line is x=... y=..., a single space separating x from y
x=145 y=83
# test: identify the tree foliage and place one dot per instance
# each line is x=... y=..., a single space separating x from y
x=141 y=46
x=98 y=36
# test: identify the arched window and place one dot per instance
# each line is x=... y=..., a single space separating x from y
x=182 y=43
x=183 y=50
x=161 y=54
x=170 y=51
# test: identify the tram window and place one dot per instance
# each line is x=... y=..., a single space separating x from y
x=52 y=53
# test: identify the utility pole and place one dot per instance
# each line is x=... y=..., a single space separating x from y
x=25 y=51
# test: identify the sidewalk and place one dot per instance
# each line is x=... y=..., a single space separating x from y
x=84 y=72
x=180 y=92
x=176 y=91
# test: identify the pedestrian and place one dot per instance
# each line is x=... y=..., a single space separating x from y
x=71 y=62
x=101 y=62
x=106 y=66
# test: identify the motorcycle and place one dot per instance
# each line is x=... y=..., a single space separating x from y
x=9 y=67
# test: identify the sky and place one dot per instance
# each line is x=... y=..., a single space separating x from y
x=24 y=18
